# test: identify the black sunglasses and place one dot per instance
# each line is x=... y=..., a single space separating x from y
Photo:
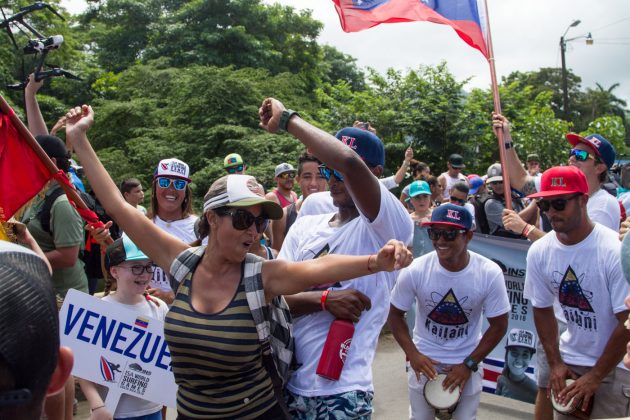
x=242 y=219
x=449 y=235
x=558 y=204
x=457 y=200
x=137 y=270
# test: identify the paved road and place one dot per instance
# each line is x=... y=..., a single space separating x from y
x=390 y=390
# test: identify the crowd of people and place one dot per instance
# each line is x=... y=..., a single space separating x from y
x=254 y=268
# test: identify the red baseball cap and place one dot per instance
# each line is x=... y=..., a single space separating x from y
x=561 y=180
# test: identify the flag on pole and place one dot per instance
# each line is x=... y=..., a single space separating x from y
x=22 y=173
x=466 y=17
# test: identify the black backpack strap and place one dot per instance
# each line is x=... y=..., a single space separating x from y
x=44 y=212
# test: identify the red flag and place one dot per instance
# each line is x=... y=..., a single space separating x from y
x=22 y=173
x=466 y=17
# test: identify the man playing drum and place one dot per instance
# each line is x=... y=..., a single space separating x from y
x=453 y=288
x=578 y=266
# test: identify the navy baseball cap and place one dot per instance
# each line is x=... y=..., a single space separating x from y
x=602 y=147
x=365 y=143
x=450 y=215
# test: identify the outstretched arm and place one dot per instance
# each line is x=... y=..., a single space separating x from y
x=282 y=277
x=358 y=179
x=161 y=247
x=36 y=123
x=519 y=178
x=400 y=174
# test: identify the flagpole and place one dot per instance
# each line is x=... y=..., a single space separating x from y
x=497 y=109
x=41 y=154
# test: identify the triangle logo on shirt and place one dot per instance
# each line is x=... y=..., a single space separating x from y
x=448 y=311
x=571 y=294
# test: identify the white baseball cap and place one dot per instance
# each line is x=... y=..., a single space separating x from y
x=172 y=168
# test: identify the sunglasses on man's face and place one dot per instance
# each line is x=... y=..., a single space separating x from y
x=449 y=235
x=456 y=200
x=287 y=175
x=242 y=219
x=558 y=204
x=580 y=155
x=327 y=172
x=178 y=184
x=234 y=169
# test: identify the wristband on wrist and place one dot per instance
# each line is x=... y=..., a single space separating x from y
x=508 y=145
x=287 y=114
x=527 y=230
x=323 y=299
x=96 y=408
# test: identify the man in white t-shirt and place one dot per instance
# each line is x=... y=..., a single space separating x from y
x=578 y=266
x=593 y=155
x=453 y=288
x=367 y=216
x=452 y=175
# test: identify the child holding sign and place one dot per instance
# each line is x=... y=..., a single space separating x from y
x=131 y=269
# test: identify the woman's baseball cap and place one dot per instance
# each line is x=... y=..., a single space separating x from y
x=236 y=190
x=518 y=337
x=172 y=168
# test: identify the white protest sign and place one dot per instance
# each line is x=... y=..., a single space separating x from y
x=118 y=349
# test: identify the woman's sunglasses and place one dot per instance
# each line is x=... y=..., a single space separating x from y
x=178 y=184
x=558 y=204
x=234 y=169
x=242 y=219
x=449 y=235
x=327 y=172
x=580 y=155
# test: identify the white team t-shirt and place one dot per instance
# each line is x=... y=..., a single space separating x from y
x=587 y=281
x=184 y=230
x=604 y=209
x=311 y=237
x=317 y=203
x=450 y=305
x=130 y=405
x=389 y=182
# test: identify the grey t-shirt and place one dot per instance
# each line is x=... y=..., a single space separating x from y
x=494 y=213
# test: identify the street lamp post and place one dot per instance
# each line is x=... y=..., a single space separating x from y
x=563 y=49
x=565 y=89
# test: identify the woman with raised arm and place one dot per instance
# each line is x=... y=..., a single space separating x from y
x=219 y=364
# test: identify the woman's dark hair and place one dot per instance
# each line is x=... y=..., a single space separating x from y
x=129 y=184
x=187 y=209
x=418 y=167
x=432 y=181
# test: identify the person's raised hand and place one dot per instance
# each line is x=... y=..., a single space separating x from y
x=393 y=256
x=513 y=222
x=408 y=154
x=269 y=113
x=32 y=86
x=500 y=123
x=79 y=119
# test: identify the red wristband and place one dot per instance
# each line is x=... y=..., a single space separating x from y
x=368 y=264
x=323 y=299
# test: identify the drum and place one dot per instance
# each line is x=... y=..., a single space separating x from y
x=440 y=399
x=567 y=410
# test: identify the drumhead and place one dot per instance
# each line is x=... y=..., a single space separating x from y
x=437 y=397
x=559 y=407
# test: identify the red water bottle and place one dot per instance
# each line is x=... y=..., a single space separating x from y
x=335 y=349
